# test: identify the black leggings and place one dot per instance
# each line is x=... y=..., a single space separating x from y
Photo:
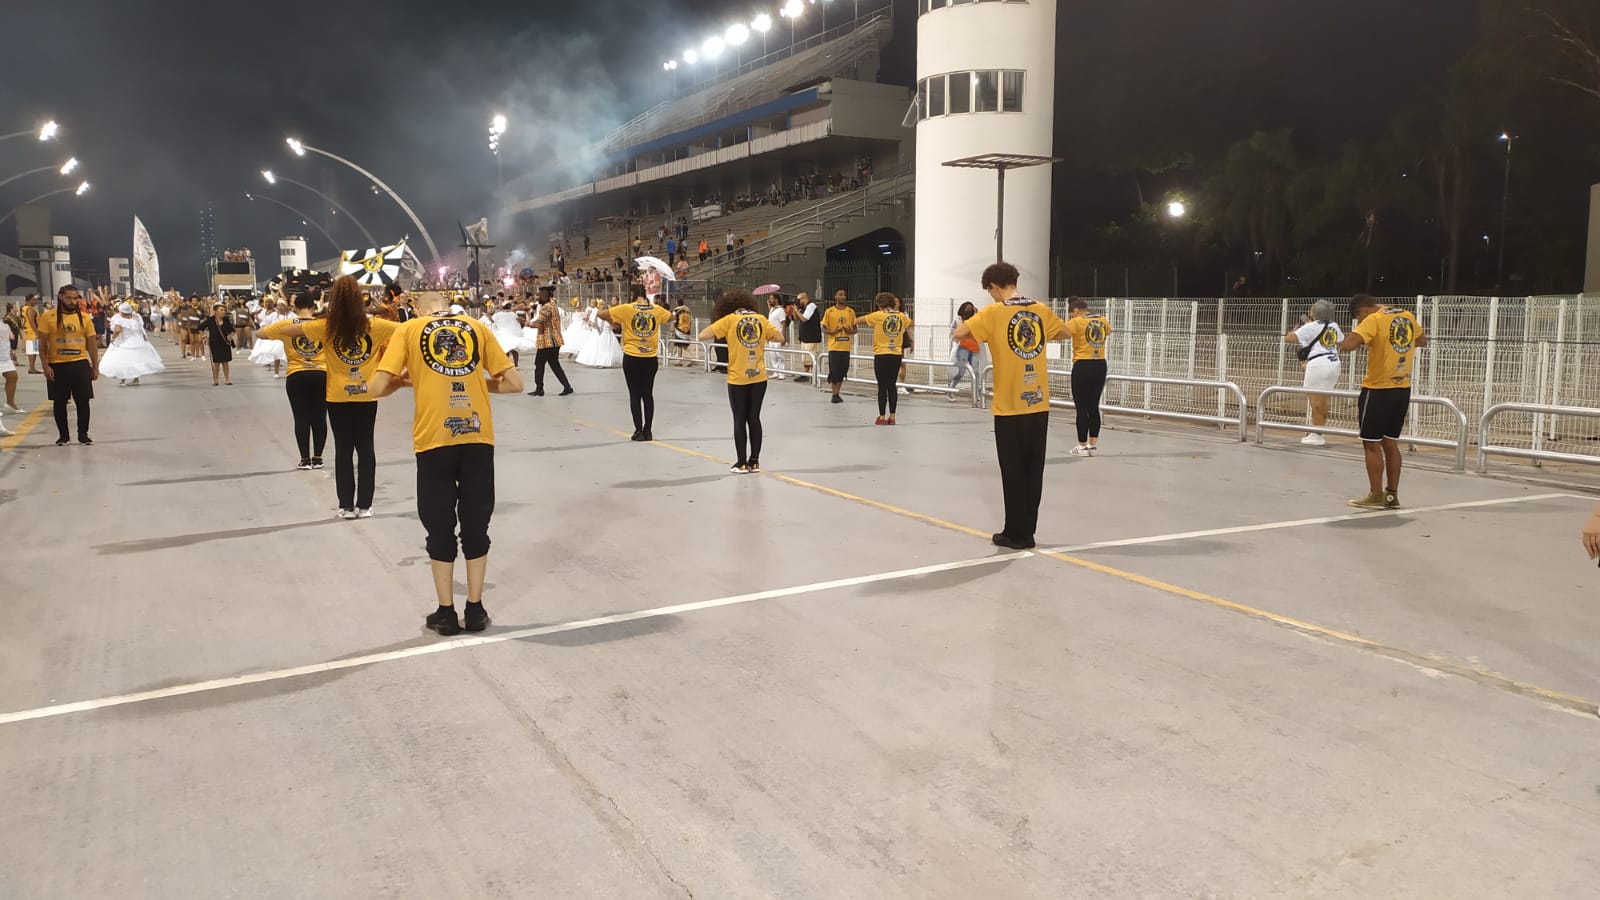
x=353 y=452
x=640 y=373
x=308 y=392
x=456 y=484
x=745 y=400
x=887 y=368
x=1088 y=383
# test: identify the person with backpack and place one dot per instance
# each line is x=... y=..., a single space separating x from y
x=1316 y=344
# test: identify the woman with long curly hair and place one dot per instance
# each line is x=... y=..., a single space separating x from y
x=352 y=344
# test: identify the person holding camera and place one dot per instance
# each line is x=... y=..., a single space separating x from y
x=1317 y=345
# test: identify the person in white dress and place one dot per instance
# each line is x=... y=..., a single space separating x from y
x=130 y=355
x=270 y=353
x=1318 y=339
x=508 y=331
x=578 y=332
x=605 y=349
x=8 y=370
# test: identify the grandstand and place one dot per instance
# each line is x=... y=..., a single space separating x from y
x=788 y=153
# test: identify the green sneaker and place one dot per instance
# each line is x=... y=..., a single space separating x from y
x=1391 y=500
x=1374 y=500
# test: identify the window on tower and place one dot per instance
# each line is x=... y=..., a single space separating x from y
x=984 y=90
x=960 y=92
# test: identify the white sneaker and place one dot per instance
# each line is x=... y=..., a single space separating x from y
x=953 y=397
x=1080 y=450
x=364 y=513
x=12 y=408
x=5 y=432
x=347 y=514
x=1314 y=440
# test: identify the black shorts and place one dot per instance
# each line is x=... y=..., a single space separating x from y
x=838 y=366
x=1382 y=412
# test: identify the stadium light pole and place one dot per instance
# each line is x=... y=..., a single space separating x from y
x=1508 y=139
x=78 y=191
x=761 y=25
x=304 y=219
x=300 y=148
x=497 y=127
x=792 y=11
x=66 y=168
x=274 y=179
x=45 y=132
x=735 y=37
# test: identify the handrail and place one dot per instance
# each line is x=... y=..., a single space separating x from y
x=709 y=357
x=1241 y=420
x=977 y=398
x=1485 y=448
x=1459 y=445
x=706 y=353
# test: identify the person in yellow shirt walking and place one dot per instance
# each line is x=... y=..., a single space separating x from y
x=351 y=343
x=1392 y=337
x=1089 y=332
x=839 y=324
x=641 y=323
x=747 y=332
x=1017 y=330
x=889 y=327
x=452 y=364
x=71 y=356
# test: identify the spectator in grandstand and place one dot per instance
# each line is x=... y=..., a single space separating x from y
x=731 y=240
x=1016 y=330
x=1392 y=336
x=683 y=266
x=1089 y=332
x=705 y=249
x=1317 y=340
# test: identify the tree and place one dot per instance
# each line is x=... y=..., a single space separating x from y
x=1249 y=198
x=1561 y=36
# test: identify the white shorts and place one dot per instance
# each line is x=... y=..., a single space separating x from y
x=6 y=365
x=31 y=348
x=1323 y=375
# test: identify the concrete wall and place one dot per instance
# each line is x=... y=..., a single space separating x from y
x=868 y=110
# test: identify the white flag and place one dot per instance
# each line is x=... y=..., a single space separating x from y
x=146 y=267
x=374 y=265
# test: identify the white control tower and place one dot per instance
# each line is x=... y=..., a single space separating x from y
x=985 y=88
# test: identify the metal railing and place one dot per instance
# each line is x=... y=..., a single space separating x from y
x=1459 y=445
x=1225 y=388
x=1485 y=448
x=707 y=356
x=703 y=358
x=945 y=364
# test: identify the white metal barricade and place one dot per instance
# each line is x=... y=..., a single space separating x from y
x=944 y=364
x=1459 y=445
x=1486 y=449
x=1225 y=389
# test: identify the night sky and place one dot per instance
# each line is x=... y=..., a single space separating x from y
x=173 y=104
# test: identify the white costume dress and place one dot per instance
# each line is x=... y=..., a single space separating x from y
x=130 y=354
x=604 y=350
x=265 y=352
x=578 y=333
x=509 y=332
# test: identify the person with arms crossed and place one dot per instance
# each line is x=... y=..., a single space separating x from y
x=1017 y=330
x=1317 y=340
x=452 y=364
x=71 y=356
x=1392 y=337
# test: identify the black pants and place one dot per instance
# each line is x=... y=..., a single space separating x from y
x=73 y=381
x=456 y=484
x=1088 y=384
x=721 y=347
x=887 y=368
x=548 y=356
x=838 y=366
x=355 y=462
x=640 y=373
x=745 y=401
x=1019 y=441
x=308 y=392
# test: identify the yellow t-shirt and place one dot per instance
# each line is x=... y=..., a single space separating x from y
x=30 y=323
x=840 y=320
x=747 y=334
x=889 y=329
x=641 y=327
x=447 y=358
x=351 y=368
x=64 y=338
x=1391 y=336
x=1088 y=335
x=1016 y=331
x=304 y=354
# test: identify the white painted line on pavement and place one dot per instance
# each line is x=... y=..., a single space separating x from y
x=1298 y=523
x=216 y=684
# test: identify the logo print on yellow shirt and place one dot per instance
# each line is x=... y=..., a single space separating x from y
x=748 y=331
x=1401 y=334
x=1025 y=334
x=306 y=347
x=893 y=325
x=450 y=347
x=644 y=324
x=1095 y=332
x=356 y=352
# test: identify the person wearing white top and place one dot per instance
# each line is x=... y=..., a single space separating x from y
x=130 y=355
x=780 y=320
x=8 y=369
x=1318 y=339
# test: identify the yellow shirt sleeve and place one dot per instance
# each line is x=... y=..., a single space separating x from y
x=315 y=329
x=382 y=330
x=981 y=325
x=1367 y=329
x=394 y=358
x=720 y=327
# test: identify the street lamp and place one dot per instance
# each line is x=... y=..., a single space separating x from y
x=1508 y=139
x=1177 y=209
x=300 y=148
x=274 y=179
x=65 y=168
x=45 y=132
x=304 y=219
x=735 y=37
x=78 y=191
x=792 y=11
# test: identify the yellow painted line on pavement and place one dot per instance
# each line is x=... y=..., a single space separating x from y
x=27 y=425
x=1421 y=660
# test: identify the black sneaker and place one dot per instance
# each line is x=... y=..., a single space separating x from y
x=443 y=621
x=476 y=617
x=316 y=462
x=62 y=442
x=84 y=440
x=646 y=436
x=565 y=392
x=538 y=393
x=1001 y=539
x=305 y=465
x=638 y=435
x=837 y=399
